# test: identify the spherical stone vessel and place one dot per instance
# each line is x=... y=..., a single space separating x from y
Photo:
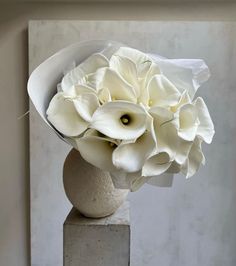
x=90 y=189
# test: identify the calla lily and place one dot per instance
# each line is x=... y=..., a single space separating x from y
x=194 y=120
x=44 y=79
x=194 y=160
x=185 y=74
x=156 y=164
x=86 y=104
x=141 y=60
x=206 y=127
x=166 y=134
x=184 y=99
x=188 y=122
x=63 y=116
x=120 y=120
x=118 y=88
x=131 y=155
x=90 y=65
x=162 y=92
x=127 y=69
x=94 y=141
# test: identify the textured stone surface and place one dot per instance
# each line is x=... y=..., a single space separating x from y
x=100 y=242
x=90 y=189
x=191 y=224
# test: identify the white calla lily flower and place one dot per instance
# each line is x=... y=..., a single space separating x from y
x=186 y=74
x=162 y=92
x=63 y=116
x=184 y=99
x=166 y=134
x=86 y=104
x=93 y=141
x=127 y=70
x=206 y=127
x=118 y=88
x=194 y=160
x=140 y=59
x=120 y=120
x=90 y=65
x=156 y=164
x=188 y=122
x=194 y=120
x=131 y=155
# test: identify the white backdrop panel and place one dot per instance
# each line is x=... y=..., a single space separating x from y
x=191 y=224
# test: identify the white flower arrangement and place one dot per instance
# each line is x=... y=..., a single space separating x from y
x=134 y=114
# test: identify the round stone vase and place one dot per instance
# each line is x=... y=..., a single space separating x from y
x=90 y=189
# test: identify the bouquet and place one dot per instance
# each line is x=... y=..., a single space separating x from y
x=132 y=114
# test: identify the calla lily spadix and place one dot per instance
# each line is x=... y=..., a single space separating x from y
x=127 y=112
x=120 y=120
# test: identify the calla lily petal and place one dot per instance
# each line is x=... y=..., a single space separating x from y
x=186 y=74
x=146 y=68
x=156 y=164
x=174 y=168
x=195 y=159
x=86 y=104
x=188 y=122
x=184 y=99
x=206 y=127
x=90 y=65
x=104 y=95
x=127 y=69
x=120 y=120
x=119 y=89
x=165 y=126
x=130 y=157
x=162 y=92
x=138 y=182
x=88 y=144
x=63 y=116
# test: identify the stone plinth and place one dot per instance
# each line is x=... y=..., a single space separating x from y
x=97 y=242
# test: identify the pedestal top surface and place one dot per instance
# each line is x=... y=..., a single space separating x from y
x=120 y=217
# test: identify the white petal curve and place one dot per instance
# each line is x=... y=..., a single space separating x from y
x=162 y=92
x=108 y=120
x=127 y=69
x=206 y=127
x=146 y=68
x=119 y=89
x=88 y=145
x=90 y=65
x=156 y=164
x=104 y=95
x=86 y=104
x=195 y=159
x=184 y=99
x=188 y=122
x=63 y=116
x=165 y=125
x=186 y=74
x=130 y=157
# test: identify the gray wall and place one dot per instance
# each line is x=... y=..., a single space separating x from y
x=14 y=181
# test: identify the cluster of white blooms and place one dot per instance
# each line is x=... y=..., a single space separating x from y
x=134 y=115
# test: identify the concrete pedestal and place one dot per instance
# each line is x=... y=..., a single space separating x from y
x=97 y=242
